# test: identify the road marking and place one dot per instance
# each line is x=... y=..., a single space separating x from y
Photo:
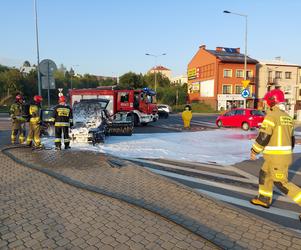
x=294 y=172
x=216 y=184
x=230 y=177
x=251 y=178
x=5 y=118
x=243 y=203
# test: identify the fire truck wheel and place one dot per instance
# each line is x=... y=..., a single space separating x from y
x=136 y=120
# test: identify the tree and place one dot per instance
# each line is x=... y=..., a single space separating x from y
x=26 y=64
x=11 y=80
x=162 y=81
x=132 y=80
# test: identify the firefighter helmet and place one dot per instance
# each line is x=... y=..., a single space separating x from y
x=19 y=98
x=38 y=98
x=62 y=99
x=274 y=97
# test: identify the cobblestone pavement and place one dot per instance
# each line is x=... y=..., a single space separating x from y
x=220 y=223
x=40 y=212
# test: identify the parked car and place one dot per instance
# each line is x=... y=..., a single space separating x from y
x=164 y=110
x=240 y=117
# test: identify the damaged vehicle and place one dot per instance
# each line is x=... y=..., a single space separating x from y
x=92 y=122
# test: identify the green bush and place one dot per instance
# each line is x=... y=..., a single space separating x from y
x=196 y=108
x=4 y=109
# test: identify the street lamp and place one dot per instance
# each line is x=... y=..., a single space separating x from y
x=155 y=56
x=246 y=37
x=37 y=42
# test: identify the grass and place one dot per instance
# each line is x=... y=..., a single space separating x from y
x=196 y=108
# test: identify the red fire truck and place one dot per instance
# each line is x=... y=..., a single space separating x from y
x=140 y=104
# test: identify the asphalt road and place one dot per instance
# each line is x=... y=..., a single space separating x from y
x=174 y=123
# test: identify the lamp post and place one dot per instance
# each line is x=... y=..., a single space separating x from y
x=246 y=38
x=155 y=56
x=246 y=42
x=37 y=43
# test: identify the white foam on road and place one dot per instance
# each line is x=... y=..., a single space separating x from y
x=224 y=146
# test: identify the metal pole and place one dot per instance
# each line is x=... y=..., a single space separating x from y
x=156 y=73
x=38 y=52
x=246 y=46
x=48 y=80
x=246 y=51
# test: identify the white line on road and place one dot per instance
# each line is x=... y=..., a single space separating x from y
x=191 y=170
x=243 y=203
x=215 y=184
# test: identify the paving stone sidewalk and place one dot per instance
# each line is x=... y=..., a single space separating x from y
x=41 y=212
x=220 y=223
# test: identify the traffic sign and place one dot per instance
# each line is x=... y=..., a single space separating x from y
x=245 y=93
x=48 y=82
x=47 y=67
x=245 y=83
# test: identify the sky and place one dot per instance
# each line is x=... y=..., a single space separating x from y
x=111 y=38
x=195 y=146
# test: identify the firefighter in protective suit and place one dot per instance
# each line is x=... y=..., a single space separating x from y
x=18 y=121
x=276 y=141
x=62 y=117
x=35 y=123
x=187 y=116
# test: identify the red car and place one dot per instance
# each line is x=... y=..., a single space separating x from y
x=240 y=117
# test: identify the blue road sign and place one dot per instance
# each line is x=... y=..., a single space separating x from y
x=245 y=93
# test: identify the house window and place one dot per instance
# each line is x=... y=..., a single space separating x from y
x=288 y=75
x=227 y=72
x=239 y=73
x=238 y=89
x=278 y=74
x=249 y=73
x=227 y=89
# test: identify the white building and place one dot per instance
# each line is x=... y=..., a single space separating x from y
x=179 y=80
x=160 y=69
x=279 y=74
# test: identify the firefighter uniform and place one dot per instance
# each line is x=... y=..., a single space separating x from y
x=34 y=125
x=276 y=141
x=62 y=117
x=18 y=122
x=187 y=116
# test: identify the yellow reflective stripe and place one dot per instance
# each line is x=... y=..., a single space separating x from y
x=57 y=140
x=264 y=193
x=257 y=147
x=279 y=139
x=61 y=124
x=297 y=197
x=269 y=122
x=283 y=148
x=277 y=152
x=66 y=140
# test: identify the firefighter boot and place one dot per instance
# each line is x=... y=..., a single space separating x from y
x=67 y=146
x=261 y=201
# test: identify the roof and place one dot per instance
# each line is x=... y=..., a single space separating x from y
x=160 y=68
x=231 y=57
x=278 y=63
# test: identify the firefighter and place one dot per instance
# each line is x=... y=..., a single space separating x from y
x=62 y=117
x=186 y=116
x=18 y=121
x=35 y=123
x=276 y=141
